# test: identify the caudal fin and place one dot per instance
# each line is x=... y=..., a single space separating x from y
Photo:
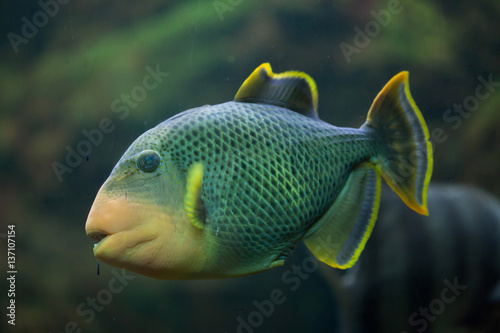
x=404 y=152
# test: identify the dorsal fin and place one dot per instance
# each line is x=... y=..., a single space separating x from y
x=293 y=90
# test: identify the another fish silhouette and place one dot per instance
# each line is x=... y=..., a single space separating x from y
x=435 y=274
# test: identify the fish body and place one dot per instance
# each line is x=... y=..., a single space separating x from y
x=439 y=273
x=267 y=164
x=230 y=189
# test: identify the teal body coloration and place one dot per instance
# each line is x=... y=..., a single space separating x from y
x=230 y=189
x=270 y=173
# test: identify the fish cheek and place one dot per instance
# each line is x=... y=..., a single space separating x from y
x=181 y=244
x=149 y=248
x=175 y=250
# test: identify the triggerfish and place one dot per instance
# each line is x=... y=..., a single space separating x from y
x=230 y=189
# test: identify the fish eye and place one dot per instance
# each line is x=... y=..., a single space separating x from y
x=148 y=160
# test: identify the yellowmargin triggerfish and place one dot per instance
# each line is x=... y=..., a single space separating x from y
x=230 y=189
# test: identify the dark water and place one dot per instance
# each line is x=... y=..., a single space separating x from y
x=81 y=80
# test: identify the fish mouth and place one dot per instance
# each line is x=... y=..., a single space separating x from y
x=98 y=235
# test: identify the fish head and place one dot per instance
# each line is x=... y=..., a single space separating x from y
x=138 y=216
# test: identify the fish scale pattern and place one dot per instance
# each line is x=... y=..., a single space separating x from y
x=269 y=173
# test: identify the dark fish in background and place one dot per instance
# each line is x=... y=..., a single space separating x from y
x=439 y=273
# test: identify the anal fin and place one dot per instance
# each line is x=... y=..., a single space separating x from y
x=339 y=237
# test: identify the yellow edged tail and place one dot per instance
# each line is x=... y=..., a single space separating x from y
x=403 y=157
x=404 y=151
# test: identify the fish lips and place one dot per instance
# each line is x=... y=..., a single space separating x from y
x=109 y=215
x=94 y=230
x=97 y=235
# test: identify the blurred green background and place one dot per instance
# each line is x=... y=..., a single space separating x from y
x=63 y=77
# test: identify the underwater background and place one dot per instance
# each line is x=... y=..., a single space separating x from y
x=73 y=99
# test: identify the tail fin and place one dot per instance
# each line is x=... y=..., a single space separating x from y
x=404 y=153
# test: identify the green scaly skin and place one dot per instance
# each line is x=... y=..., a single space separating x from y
x=269 y=174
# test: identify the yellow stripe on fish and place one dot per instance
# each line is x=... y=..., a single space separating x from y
x=194 y=209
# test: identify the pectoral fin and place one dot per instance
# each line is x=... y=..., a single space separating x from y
x=339 y=237
x=192 y=201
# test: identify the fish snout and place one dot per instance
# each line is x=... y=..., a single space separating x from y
x=110 y=215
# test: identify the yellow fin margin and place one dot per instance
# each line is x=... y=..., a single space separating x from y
x=391 y=93
x=369 y=229
x=340 y=236
x=424 y=210
x=255 y=89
